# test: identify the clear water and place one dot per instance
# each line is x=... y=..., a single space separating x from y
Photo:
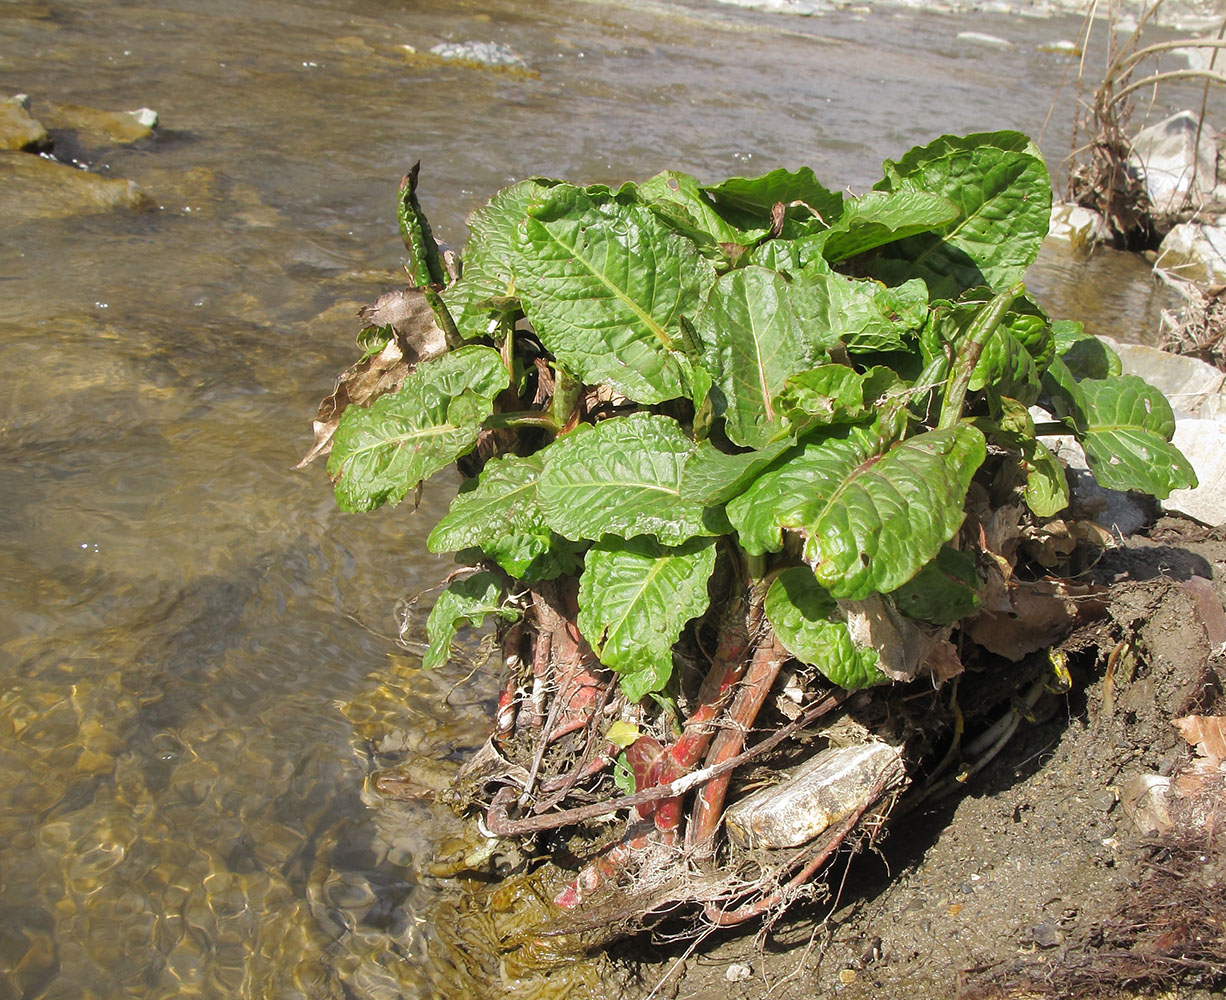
x=195 y=645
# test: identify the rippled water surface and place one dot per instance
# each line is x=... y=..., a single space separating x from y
x=194 y=645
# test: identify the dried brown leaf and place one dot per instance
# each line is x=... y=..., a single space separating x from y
x=1205 y=732
x=415 y=337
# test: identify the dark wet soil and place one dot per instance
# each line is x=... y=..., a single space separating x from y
x=1034 y=882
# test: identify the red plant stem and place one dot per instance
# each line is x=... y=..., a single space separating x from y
x=499 y=822
x=768 y=657
x=738 y=632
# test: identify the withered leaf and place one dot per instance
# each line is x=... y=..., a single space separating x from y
x=1205 y=732
x=415 y=336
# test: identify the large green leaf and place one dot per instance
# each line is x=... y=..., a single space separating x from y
x=1000 y=185
x=623 y=477
x=1124 y=425
x=380 y=454
x=498 y=514
x=1128 y=427
x=790 y=493
x=882 y=217
x=605 y=285
x=890 y=516
x=634 y=599
x=753 y=341
x=711 y=476
x=464 y=603
x=869 y=520
x=806 y=620
x=486 y=289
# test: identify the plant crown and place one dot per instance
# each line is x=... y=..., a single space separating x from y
x=653 y=381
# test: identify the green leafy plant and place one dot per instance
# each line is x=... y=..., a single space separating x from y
x=711 y=429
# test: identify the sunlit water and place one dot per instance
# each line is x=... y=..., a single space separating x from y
x=195 y=645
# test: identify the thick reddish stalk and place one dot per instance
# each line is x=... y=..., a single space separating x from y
x=738 y=632
x=768 y=657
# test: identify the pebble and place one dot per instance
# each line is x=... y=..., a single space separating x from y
x=737 y=972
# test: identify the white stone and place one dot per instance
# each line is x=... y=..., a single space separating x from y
x=1193 y=251
x=1175 y=166
x=1081 y=227
x=1203 y=442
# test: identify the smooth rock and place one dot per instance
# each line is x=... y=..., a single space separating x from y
x=1175 y=166
x=1203 y=442
x=1081 y=227
x=32 y=187
x=18 y=130
x=109 y=126
x=1145 y=799
x=1193 y=251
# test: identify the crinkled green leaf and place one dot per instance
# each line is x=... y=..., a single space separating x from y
x=711 y=476
x=864 y=315
x=486 y=289
x=754 y=341
x=830 y=394
x=805 y=618
x=1000 y=185
x=498 y=514
x=1045 y=484
x=634 y=599
x=882 y=217
x=790 y=256
x=465 y=603
x=790 y=493
x=623 y=477
x=1007 y=368
x=891 y=515
x=869 y=520
x=380 y=454
x=944 y=591
x=1028 y=322
x=1124 y=425
x=605 y=285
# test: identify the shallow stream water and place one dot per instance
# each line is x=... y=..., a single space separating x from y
x=195 y=646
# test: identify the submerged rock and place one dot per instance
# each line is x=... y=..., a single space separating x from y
x=484 y=53
x=18 y=130
x=109 y=126
x=1193 y=251
x=32 y=187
